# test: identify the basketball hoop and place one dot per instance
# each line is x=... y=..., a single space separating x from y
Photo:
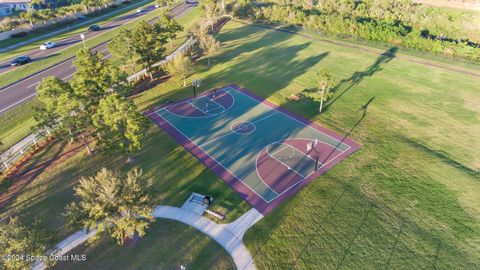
x=195 y=84
x=312 y=146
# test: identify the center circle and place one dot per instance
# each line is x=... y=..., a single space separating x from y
x=242 y=127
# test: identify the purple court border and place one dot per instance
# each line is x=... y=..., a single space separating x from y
x=245 y=192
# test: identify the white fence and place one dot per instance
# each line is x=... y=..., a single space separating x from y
x=182 y=49
x=12 y=155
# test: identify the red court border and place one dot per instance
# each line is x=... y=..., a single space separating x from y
x=245 y=192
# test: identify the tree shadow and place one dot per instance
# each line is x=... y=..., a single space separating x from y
x=241 y=63
x=359 y=76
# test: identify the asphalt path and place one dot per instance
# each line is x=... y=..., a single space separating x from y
x=24 y=90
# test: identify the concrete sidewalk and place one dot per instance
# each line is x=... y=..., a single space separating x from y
x=229 y=236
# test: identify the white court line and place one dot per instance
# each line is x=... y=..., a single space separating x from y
x=218 y=104
x=231 y=131
x=288 y=167
x=335 y=139
x=306 y=177
x=206 y=153
x=276 y=151
x=195 y=117
x=23 y=99
x=289 y=146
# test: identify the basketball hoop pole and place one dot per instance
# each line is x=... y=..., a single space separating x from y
x=194 y=92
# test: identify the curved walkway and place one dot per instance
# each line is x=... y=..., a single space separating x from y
x=229 y=236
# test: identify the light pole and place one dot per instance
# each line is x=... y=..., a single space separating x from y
x=83 y=40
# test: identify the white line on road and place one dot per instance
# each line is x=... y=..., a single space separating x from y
x=67 y=77
x=20 y=101
x=31 y=85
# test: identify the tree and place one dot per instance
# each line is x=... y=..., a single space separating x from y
x=31 y=16
x=209 y=45
x=15 y=239
x=72 y=104
x=58 y=103
x=90 y=3
x=172 y=28
x=112 y=204
x=162 y=3
x=325 y=83
x=180 y=66
x=149 y=41
x=211 y=11
x=119 y=122
x=122 y=47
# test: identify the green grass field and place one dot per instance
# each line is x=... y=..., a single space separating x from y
x=16 y=124
x=168 y=245
x=407 y=199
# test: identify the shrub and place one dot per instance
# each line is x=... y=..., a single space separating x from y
x=19 y=34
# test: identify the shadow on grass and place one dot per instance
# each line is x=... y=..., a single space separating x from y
x=359 y=76
x=28 y=173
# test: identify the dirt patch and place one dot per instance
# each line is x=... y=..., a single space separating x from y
x=460 y=4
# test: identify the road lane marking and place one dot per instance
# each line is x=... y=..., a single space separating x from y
x=30 y=86
x=20 y=101
x=67 y=77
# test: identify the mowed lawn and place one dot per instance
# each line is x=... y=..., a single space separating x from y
x=409 y=198
x=168 y=246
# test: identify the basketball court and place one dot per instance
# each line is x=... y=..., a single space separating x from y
x=262 y=151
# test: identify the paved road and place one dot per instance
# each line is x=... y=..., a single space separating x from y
x=38 y=54
x=24 y=89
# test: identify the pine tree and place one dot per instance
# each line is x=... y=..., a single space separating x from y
x=119 y=123
x=149 y=41
x=179 y=67
x=171 y=26
x=122 y=47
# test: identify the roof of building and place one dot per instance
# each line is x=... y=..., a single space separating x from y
x=15 y=1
